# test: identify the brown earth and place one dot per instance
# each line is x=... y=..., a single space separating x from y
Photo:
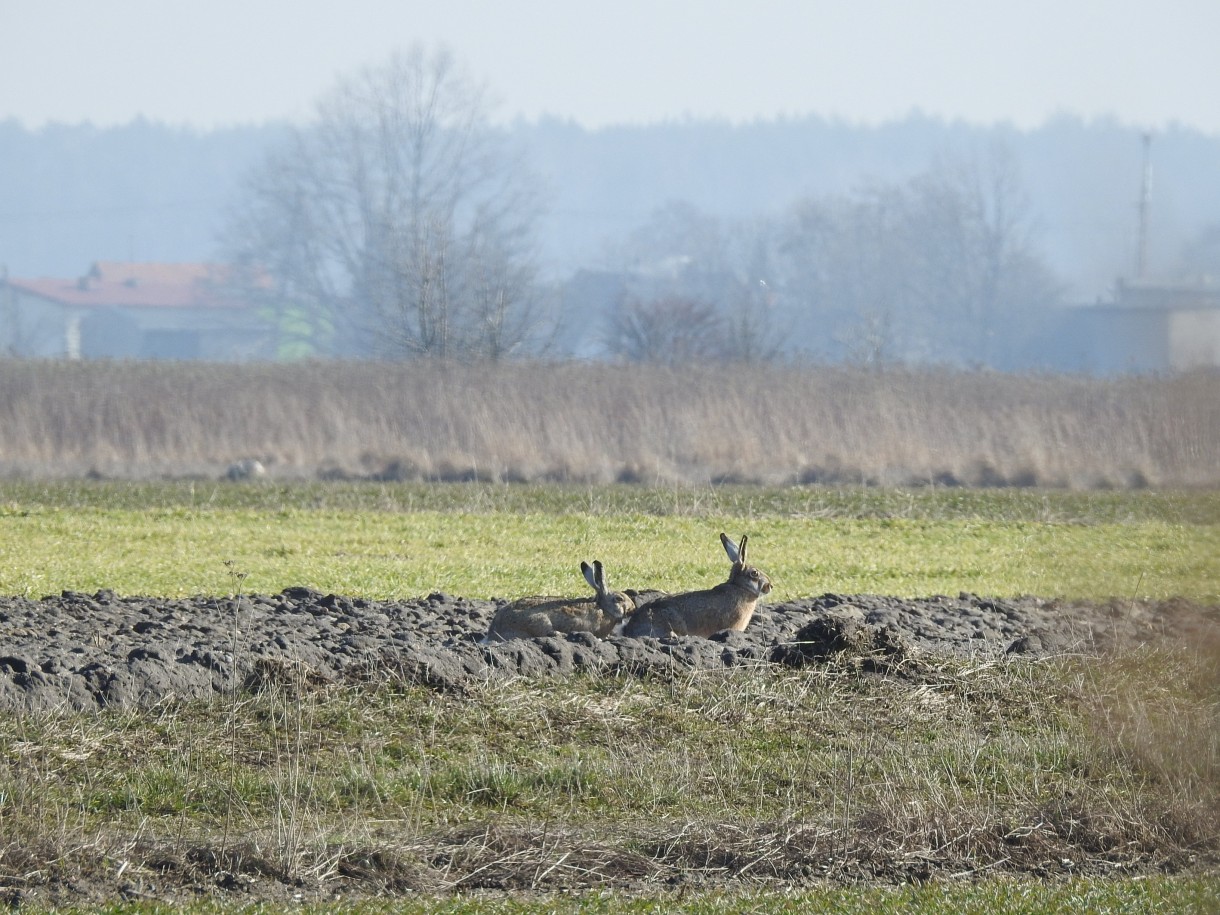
x=88 y=651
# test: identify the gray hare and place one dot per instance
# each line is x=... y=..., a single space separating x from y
x=535 y=617
x=729 y=605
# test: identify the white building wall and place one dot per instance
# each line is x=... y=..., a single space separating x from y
x=1194 y=339
x=32 y=327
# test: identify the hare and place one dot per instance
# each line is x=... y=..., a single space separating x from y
x=535 y=617
x=729 y=605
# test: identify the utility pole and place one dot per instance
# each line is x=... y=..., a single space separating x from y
x=1141 y=256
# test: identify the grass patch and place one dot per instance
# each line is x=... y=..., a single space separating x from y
x=1187 y=506
x=497 y=541
x=757 y=779
x=1073 y=783
x=1180 y=895
x=612 y=753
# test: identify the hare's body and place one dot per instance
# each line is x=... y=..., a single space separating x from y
x=701 y=613
x=642 y=598
x=729 y=605
x=537 y=617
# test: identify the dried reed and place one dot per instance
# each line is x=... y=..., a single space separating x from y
x=600 y=423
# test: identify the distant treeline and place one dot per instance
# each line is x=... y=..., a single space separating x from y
x=598 y=423
x=75 y=194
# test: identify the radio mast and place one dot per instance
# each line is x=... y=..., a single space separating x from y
x=1141 y=254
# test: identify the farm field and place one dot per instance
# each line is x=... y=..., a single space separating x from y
x=492 y=540
x=1084 y=776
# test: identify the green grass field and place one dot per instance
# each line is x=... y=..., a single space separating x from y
x=482 y=541
x=1071 y=784
x=1180 y=896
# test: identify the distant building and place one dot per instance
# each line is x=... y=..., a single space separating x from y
x=1148 y=327
x=121 y=310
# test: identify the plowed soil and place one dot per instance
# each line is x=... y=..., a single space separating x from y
x=86 y=651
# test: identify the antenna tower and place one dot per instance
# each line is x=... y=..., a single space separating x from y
x=1141 y=255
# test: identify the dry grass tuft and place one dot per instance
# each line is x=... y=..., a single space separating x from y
x=605 y=423
x=762 y=777
x=1158 y=711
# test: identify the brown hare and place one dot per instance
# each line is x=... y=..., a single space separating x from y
x=729 y=605
x=535 y=617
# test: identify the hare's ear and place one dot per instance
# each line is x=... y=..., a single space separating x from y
x=591 y=576
x=731 y=548
x=599 y=576
x=742 y=550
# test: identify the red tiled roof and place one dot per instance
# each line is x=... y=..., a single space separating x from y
x=116 y=284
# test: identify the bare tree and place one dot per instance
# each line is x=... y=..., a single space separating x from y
x=697 y=287
x=398 y=223
x=846 y=276
x=937 y=268
x=754 y=330
x=671 y=330
x=979 y=238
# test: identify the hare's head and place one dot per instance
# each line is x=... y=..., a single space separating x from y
x=615 y=604
x=743 y=574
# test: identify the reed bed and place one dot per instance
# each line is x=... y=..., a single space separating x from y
x=597 y=423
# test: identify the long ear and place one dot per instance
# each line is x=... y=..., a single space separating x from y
x=591 y=576
x=742 y=550
x=731 y=548
x=599 y=576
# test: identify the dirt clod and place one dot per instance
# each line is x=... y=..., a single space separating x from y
x=88 y=651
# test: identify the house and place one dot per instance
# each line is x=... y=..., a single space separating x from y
x=1146 y=327
x=122 y=310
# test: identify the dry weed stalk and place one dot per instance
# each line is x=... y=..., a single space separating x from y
x=596 y=423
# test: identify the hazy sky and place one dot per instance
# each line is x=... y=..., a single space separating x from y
x=221 y=62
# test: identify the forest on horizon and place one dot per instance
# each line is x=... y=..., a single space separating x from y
x=146 y=191
x=402 y=221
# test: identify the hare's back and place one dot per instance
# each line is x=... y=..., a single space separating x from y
x=700 y=613
x=663 y=616
x=535 y=617
x=573 y=615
